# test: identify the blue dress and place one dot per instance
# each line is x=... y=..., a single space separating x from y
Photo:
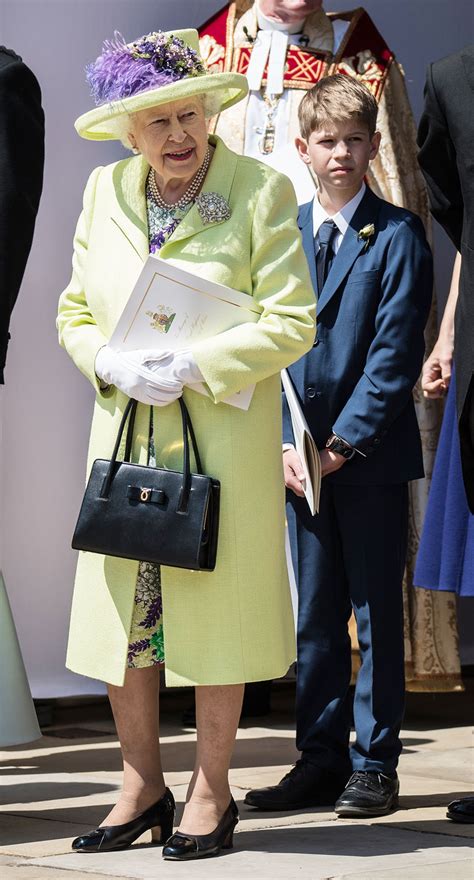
x=446 y=554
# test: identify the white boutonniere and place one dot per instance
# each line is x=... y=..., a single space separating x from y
x=212 y=207
x=365 y=234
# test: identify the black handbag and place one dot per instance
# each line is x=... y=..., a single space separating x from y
x=147 y=513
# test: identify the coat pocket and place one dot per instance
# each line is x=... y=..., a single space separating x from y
x=370 y=278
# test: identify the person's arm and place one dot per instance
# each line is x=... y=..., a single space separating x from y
x=77 y=328
x=395 y=356
x=292 y=468
x=282 y=287
x=437 y=158
x=21 y=181
x=436 y=374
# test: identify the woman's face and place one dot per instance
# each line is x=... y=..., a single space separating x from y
x=172 y=138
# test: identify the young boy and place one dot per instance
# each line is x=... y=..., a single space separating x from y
x=372 y=273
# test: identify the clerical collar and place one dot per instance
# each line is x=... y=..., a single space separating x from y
x=269 y=24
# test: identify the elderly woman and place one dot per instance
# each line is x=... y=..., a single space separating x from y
x=215 y=630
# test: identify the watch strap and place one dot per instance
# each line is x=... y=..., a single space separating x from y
x=337 y=444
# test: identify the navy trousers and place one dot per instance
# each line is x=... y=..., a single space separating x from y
x=350 y=556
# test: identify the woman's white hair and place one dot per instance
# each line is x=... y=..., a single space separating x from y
x=124 y=124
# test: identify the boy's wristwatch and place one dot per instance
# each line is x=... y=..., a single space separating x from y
x=337 y=444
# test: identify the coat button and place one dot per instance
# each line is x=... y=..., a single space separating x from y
x=376 y=441
x=310 y=392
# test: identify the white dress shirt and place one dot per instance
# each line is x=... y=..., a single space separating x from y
x=341 y=219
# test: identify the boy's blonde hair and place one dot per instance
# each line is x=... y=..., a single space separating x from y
x=337 y=98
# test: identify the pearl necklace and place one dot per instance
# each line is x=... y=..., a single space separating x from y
x=190 y=193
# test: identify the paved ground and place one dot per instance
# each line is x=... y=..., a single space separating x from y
x=60 y=786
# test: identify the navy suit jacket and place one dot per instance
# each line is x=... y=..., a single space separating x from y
x=358 y=378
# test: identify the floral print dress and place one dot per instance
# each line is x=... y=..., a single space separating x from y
x=146 y=645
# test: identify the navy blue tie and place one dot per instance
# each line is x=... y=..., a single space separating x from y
x=324 y=251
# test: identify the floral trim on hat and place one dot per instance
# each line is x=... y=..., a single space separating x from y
x=126 y=69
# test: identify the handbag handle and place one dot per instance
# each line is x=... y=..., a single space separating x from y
x=188 y=431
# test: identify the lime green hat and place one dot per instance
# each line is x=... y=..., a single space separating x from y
x=155 y=69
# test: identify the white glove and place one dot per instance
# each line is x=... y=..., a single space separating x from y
x=167 y=367
x=120 y=369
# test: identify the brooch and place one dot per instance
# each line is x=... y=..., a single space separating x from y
x=212 y=207
x=365 y=234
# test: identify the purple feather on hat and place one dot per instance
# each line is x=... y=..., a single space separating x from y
x=152 y=61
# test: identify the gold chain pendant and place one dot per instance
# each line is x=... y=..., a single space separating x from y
x=266 y=143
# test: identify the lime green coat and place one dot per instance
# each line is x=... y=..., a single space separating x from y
x=234 y=624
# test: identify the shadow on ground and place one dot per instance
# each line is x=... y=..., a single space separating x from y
x=325 y=839
x=366 y=841
x=32 y=792
x=343 y=836
x=177 y=757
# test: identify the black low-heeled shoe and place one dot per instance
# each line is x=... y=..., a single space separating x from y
x=181 y=847
x=158 y=819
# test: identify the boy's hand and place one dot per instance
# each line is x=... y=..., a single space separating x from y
x=436 y=373
x=330 y=461
x=293 y=471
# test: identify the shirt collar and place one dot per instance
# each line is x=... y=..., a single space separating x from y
x=342 y=218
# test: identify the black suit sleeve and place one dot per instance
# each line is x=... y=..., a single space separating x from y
x=437 y=158
x=21 y=180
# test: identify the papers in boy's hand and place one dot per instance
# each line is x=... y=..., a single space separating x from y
x=171 y=308
x=304 y=444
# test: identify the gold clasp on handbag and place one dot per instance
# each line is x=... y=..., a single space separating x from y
x=145 y=494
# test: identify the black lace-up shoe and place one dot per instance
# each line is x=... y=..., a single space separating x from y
x=369 y=793
x=462 y=810
x=306 y=785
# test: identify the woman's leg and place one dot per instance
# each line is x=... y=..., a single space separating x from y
x=136 y=712
x=217 y=715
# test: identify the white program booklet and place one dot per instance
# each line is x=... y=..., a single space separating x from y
x=304 y=444
x=170 y=308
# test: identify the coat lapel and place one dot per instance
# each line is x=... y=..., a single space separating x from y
x=219 y=179
x=130 y=216
x=350 y=248
x=305 y=223
x=129 y=212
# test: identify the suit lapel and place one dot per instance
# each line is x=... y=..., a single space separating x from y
x=350 y=248
x=467 y=56
x=305 y=223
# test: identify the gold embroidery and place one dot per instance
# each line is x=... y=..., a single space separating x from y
x=303 y=68
x=212 y=54
x=364 y=68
